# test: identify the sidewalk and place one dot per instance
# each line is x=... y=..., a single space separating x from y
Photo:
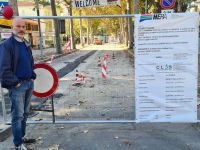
x=48 y=52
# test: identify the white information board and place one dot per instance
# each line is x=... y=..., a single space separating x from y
x=166 y=67
x=92 y=3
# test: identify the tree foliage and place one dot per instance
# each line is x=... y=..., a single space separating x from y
x=154 y=6
x=43 y=2
x=112 y=25
x=109 y=26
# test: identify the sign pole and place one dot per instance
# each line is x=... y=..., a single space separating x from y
x=46 y=74
x=53 y=112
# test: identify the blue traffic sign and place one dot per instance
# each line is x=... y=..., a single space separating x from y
x=2 y=4
x=167 y=4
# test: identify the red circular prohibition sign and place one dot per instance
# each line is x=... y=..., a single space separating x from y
x=169 y=5
x=54 y=86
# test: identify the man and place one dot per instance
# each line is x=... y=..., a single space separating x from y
x=17 y=75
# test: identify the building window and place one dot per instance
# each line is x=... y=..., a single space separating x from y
x=28 y=27
x=35 y=28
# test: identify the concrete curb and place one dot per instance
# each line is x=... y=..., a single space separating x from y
x=57 y=56
x=72 y=65
x=5 y=132
x=130 y=52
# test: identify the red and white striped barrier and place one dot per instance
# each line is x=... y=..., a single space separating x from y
x=67 y=47
x=104 y=67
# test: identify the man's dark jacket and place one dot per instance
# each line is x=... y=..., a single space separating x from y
x=9 y=55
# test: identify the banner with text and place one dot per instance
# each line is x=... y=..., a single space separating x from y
x=92 y=3
x=166 y=67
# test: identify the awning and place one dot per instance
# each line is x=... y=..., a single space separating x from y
x=8 y=23
x=31 y=22
x=5 y=23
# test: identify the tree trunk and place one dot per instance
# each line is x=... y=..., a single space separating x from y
x=121 y=30
x=136 y=8
x=146 y=6
x=91 y=32
x=68 y=4
x=126 y=31
x=56 y=26
x=81 y=29
x=39 y=28
x=88 y=31
x=14 y=5
x=130 y=25
x=73 y=46
x=179 y=7
x=157 y=8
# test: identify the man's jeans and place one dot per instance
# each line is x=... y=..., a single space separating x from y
x=20 y=99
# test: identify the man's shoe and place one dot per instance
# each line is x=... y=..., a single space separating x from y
x=29 y=141
x=21 y=147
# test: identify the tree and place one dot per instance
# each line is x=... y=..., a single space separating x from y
x=81 y=30
x=56 y=26
x=110 y=26
x=14 y=5
x=130 y=24
x=181 y=5
x=67 y=4
x=43 y=2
